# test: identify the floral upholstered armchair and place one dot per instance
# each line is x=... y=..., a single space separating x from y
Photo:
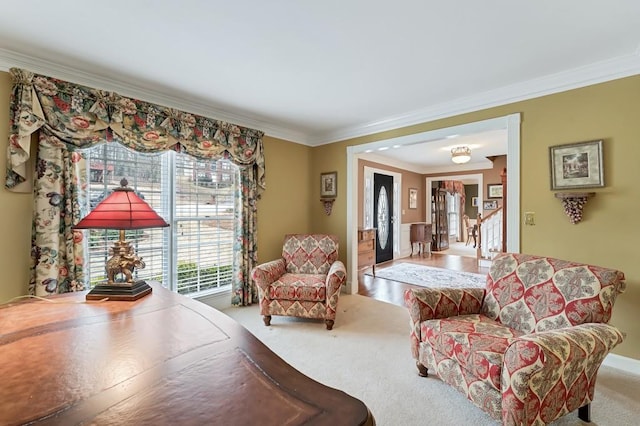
x=527 y=348
x=305 y=282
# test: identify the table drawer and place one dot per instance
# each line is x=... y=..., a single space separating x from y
x=364 y=246
x=366 y=259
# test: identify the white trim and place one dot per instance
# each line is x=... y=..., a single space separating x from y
x=610 y=69
x=510 y=122
x=629 y=365
x=599 y=72
x=10 y=59
x=219 y=300
x=479 y=178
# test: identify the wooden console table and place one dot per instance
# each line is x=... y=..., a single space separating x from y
x=367 y=248
x=163 y=359
x=421 y=233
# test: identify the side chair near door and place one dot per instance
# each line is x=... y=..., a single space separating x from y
x=305 y=282
x=527 y=348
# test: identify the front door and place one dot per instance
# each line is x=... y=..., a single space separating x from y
x=383 y=216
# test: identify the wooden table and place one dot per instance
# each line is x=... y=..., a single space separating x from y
x=420 y=233
x=163 y=359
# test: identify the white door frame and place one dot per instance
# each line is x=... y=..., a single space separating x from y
x=509 y=122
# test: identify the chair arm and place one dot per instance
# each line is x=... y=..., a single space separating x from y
x=550 y=373
x=266 y=273
x=436 y=303
x=336 y=276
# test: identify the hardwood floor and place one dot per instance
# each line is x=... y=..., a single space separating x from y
x=393 y=291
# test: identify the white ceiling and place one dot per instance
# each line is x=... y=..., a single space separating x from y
x=317 y=72
x=435 y=156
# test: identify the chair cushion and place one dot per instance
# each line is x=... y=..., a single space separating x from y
x=308 y=287
x=476 y=342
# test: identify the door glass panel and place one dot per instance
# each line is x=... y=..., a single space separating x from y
x=383 y=218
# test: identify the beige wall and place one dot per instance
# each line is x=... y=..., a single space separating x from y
x=285 y=205
x=15 y=216
x=607 y=236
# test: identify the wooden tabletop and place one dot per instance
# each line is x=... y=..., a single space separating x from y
x=163 y=359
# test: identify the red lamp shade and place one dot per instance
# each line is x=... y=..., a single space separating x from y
x=122 y=209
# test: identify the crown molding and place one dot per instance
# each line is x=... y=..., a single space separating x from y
x=424 y=170
x=10 y=59
x=598 y=72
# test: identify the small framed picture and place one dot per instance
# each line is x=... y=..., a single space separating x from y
x=329 y=185
x=490 y=205
x=474 y=201
x=494 y=190
x=576 y=165
x=413 y=198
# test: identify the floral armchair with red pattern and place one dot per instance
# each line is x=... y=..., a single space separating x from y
x=305 y=282
x=527 y=348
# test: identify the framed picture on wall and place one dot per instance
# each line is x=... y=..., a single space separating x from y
x=413 y=198
x=490 y=205
x=577 y=165
x=474 y=201
x=329 y=185
x=494 y=190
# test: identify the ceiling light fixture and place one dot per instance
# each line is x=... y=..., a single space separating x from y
x=460 y=154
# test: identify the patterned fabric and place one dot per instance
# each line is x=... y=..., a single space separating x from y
x=309 y=254
x=529 y=352
x=68 y=116
x=533 y=293
x=309 y=287
x=297 y=293
x=476 y=342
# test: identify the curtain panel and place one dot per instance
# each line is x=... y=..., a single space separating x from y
x=67 y=117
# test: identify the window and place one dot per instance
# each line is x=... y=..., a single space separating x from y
x=194 y=255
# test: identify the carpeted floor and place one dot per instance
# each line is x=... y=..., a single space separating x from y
x=367 y=355
x=428 y=276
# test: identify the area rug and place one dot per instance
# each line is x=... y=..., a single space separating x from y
x=428 y=276
x=368 y=356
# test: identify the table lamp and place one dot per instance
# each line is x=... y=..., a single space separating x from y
x=121 y=210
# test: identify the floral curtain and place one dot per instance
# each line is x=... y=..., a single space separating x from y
x=68 y=116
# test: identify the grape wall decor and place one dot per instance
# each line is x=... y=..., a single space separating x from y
x=573 y=203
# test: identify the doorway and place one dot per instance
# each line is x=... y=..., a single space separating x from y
x=510 y=123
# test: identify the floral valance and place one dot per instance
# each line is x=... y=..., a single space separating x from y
x=83 y=116
x=454 y=186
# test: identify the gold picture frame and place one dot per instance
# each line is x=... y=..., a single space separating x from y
x=329 y=185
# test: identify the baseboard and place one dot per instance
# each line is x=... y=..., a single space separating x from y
x=629 y=365
x=220 y=300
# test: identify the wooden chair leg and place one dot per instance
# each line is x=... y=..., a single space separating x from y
x=267 y=320
x=422 y=370
x=329 y=324
x=584 y=413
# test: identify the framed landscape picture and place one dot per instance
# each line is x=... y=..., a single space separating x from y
x=494 y=190
x=577 y=165
x=329 y=185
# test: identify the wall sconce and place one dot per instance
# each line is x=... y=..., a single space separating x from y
x=573 y=203
x=461 y=154
x=327 y=204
